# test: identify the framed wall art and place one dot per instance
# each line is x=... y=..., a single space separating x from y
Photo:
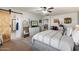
x=67 y=20
x=56 y=21
x=34 y=23
x=25 y=23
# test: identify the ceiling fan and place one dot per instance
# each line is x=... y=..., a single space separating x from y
x=48 y=9
x=45 y=10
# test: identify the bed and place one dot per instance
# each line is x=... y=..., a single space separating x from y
x=54 y=38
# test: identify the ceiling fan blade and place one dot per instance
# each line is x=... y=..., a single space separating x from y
x=44 y=8
x=50 y=9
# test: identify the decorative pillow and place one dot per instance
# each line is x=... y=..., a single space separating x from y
x=61 y=27
x=54 y=28
x=69 y=31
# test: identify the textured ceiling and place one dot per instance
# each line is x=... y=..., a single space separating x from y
x=37 y=10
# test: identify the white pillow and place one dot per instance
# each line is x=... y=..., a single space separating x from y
x=61 y=28
x=69 y=31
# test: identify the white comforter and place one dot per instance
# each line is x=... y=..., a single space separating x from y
x=55 y=39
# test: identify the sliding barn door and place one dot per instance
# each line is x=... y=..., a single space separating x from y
x=5 y=28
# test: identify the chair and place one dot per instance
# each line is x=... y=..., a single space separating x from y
x=1 y=39
x=25 y=31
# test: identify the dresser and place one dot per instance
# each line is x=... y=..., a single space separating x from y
x=34 y=30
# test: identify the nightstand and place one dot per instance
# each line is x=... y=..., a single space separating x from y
x=76 y=47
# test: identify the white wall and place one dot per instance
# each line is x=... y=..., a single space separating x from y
x=74 y=17
x=19 y=18
x=45 y=22
x=30 y=16
x=78 y=18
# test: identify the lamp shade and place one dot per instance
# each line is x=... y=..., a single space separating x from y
x=77 y=26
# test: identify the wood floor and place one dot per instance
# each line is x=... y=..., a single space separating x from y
x=15 y=45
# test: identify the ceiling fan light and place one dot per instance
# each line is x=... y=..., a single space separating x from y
x=44 y=12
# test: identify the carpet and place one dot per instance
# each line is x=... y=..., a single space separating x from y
x=37 y=46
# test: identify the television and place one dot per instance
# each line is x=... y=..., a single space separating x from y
x=34 y=23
